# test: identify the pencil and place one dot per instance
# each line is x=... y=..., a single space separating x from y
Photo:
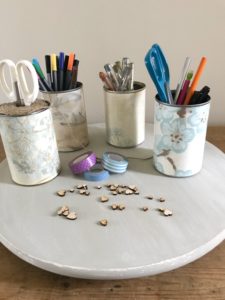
x=195 y=80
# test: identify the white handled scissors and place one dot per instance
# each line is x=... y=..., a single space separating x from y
x=17 y=89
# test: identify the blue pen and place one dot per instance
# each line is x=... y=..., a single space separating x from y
x=61 y=70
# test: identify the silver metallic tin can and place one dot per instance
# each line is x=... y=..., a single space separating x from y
x=69 y=118
x=125 y=116
x=30 y=146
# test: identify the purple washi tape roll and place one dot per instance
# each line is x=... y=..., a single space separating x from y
x=83 y=162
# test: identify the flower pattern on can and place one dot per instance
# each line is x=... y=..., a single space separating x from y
x=177 y=130
x=175 y=136
x=31 y=148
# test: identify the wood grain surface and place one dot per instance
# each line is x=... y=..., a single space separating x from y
x=202 y=279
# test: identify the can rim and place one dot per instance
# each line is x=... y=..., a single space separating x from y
x=33 y=113
x=80 y=85
x=141 y=84
x=180 y=105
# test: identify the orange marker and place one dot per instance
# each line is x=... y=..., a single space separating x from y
x=195 y=81
x=68 y=78
x=70 y=61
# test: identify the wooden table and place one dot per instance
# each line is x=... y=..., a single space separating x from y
x=202 y=279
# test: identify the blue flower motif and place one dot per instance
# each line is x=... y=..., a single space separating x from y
x=175 y=136
x=199 y=118
x=163 y=113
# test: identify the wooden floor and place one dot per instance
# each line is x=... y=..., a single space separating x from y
x=202 y=279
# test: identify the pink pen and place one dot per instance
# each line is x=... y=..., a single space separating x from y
x=184 y=90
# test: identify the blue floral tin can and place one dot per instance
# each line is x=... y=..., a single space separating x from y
x=179 y=138
x=30 y=146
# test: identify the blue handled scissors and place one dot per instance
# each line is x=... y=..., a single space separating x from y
x=159 y=72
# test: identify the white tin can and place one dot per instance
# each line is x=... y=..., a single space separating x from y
x=30 y=146
x=69 y=118
x=179 y=138
x=125 y=116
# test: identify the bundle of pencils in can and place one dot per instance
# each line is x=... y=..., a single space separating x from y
x=61 y=72
x=118 y=76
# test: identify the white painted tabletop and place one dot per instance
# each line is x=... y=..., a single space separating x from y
x=135 y=243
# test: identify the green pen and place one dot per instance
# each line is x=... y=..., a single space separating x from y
x=41 y=74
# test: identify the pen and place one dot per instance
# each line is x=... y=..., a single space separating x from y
x=182 y=77
x=106 y=81
x=54 y=71
x=184 y=90
x=48 y=69
x=74 y=74
x=168 y=93
x=66 y=58
x=117 y=67
x=38 y=69
x=125 y=62
x=69 y=71
x=131 y=77
x=195 y=80
x=125 y=77
x=61 y=70
x=111 y=74
x=41 y=84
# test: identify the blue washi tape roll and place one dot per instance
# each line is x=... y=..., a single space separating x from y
x=96 y=173
x=114 y=162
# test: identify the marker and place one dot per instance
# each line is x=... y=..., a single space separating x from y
x=200 y=96
x=69 y=71
x=182 y=78
x=66 y=59
x=195 y=80
x=184 y=90
x=48 y=69
x=61 y=70
x=54 y=71
x=38 y=69
x=74 y=74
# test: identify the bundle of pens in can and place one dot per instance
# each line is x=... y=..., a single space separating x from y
x=61 y=72
x=119 y=76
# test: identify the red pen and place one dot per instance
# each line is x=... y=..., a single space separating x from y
x=184 y=90
x=106 y=81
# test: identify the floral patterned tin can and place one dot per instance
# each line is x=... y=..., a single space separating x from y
x=69 y=118
x=30 y=146
x=179 y=138
x=125 y=116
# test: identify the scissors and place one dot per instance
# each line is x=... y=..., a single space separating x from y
x=17 y=88
x=159 y=72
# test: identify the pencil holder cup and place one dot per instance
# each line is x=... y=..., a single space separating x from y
x=125 y=116
x=179 y=138
x=30 y=146
x=69 y=118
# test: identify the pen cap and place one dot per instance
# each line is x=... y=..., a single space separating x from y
x=53 y=62
x=179 y=138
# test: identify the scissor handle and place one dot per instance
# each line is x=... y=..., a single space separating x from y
x=8 y=89
x=28 y=96
x=163 y=61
